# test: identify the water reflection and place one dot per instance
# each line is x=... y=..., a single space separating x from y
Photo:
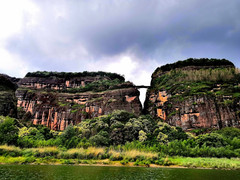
x=62 y=172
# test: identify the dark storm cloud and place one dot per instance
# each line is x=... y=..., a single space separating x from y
x=71 y=31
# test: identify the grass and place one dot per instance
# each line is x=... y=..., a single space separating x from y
x=81 y=153
x=12 y=160
x=115 y=155
x=132 y=155
x=105 y=156
x=215 y=163
x=41 y=152
x=135 y=154
x=218 y=163
x=10 y=148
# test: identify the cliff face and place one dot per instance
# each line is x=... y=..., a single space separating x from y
x=193 y=96
x=8 y=101
x=59 y=100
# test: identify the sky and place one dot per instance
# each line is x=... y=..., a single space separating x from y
x=129 y=37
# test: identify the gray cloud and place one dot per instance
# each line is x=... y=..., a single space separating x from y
x=67 y=35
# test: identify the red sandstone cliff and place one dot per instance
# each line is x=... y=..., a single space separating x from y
x=198 y=111
x=50 y=103
x=195 y=96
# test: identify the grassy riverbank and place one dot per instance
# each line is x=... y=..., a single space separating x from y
x=119 y=139
x=107 y=156
x=176 y=162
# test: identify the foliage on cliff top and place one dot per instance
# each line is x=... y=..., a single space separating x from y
x=68 y=75
x=219 y=81
x=195 y=62
x=99 y=86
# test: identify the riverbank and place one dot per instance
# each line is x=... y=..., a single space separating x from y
x=173 y=162
x=108 y=157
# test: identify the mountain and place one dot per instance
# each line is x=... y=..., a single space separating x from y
x=196 y=93
x=8 y=101
x=192 y=94
x=57 y=99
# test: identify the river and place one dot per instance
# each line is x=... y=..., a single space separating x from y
x=66 y=172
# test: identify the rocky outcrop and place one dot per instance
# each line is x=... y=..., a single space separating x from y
x=52 y=103
x=58 y=83
x=182 y=100
x=197 y=111
x=8 y=101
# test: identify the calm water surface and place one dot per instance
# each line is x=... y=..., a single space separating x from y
x=51 y=172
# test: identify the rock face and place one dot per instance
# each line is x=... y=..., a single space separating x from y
x=193 y=96
x=8 y=101
x=57 y=101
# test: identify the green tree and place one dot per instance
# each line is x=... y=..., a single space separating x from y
x=69 y=137
x=211 y=140
x=101 y=139
x=68 y=133
x=142 y=136
x=8 y=131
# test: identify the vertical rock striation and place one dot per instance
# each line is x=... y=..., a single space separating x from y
x=196 y=93
x=59 y=99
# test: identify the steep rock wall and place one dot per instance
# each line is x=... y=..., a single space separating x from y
x=189 y=102
x=50 y=104
x=198 y=111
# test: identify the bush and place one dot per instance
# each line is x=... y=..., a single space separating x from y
x=101 y=139
x=8 y=131
x=229 y=132
x=124 y=161
x=211 y=140
x=10 y=151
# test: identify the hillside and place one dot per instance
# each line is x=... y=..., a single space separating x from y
x=8 y=101
x=71 y=118
x=196 y=93
x=57 y=99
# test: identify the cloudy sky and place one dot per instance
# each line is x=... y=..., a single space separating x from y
x=130 y=37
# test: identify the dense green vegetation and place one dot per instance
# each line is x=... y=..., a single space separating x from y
x=95 y=86
x=220 y=163
x=125 y=138
x=7 y=96
x=107 y=156
x=107 y=81
x=68 y=75
x=222 y=80
x=98 y=86
x=8 y=131
x=214 y=82
x=6 y=83
x=120 y=136
x=195 y=62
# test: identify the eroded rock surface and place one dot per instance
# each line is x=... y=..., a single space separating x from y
x=51 y=102
x=190 y=102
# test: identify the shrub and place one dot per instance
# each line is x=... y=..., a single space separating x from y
x=229 y=132
x=8 y=131
x=10 y=151
x=211 y=140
